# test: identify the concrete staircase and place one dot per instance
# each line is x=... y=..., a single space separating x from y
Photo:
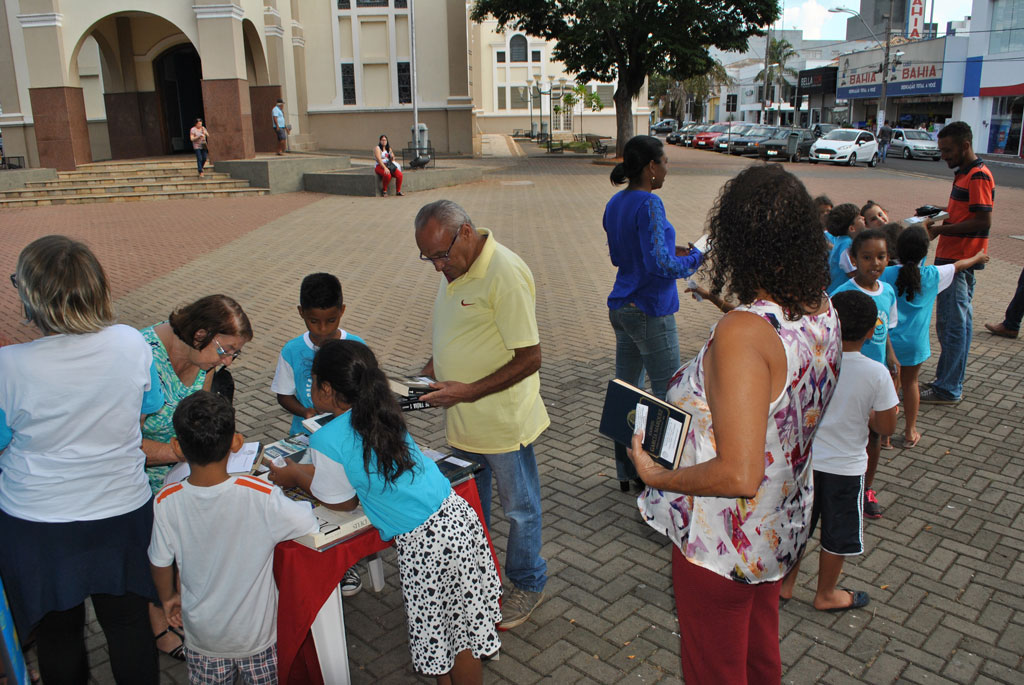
x=129 y=181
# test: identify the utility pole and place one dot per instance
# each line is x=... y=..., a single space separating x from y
x=880 y=117
x=767 y=48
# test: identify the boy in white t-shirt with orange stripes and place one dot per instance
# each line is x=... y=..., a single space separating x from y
x=221 y=531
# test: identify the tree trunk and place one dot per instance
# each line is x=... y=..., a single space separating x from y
x=623 y=118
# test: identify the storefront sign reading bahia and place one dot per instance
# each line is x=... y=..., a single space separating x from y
x=918 y=71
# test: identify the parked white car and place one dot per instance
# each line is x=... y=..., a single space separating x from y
x=845 y=146
x=913 y=143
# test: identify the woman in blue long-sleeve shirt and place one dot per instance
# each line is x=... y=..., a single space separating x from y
x=644 y=299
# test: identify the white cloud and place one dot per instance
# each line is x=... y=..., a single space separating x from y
x=809 y=16
x=818 y=23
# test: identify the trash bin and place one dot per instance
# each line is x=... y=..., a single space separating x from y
x=420 y=136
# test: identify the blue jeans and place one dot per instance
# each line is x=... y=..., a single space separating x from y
x=1015 y=311
x=642 y=343
x=953 y=314
x=519 y=493
x=201 y=156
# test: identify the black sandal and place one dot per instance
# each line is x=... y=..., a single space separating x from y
x=179 y=651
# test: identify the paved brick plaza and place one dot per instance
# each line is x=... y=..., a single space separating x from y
x=944 y=567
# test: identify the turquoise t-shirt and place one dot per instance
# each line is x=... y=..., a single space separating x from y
x=839 y=246
x=394 y=508
x=888 y=317
x=293 y=375
x=910 y=337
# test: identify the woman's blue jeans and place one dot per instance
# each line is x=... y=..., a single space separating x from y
x=642 y=344
x=201 y=156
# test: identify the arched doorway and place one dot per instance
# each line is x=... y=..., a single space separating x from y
x=177 y=75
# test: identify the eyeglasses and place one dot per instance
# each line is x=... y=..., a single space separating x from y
x=221 y=352
x=442 y=257
x=14 y=281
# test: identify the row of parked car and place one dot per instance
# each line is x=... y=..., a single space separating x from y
x=819 y=143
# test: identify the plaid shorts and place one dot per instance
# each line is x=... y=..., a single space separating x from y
x=258 y=669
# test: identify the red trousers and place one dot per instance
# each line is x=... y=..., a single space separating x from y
x=729 y=631
x=385 y=177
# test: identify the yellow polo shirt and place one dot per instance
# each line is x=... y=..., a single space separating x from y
x=479 y=319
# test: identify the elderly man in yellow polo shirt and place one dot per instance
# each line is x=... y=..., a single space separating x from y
x=486 y=358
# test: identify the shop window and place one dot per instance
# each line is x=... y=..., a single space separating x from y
x=499 y=57
x=404 y=83
x=1005 y=125
x=348 y=84
x=517 y=48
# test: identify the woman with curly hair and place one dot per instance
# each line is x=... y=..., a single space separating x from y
x=644 y=299
x=737 y=509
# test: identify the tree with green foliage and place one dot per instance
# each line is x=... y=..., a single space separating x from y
x=629 y=40
x=779 y=52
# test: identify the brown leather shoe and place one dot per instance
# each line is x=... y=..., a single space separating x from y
x=1001 y=330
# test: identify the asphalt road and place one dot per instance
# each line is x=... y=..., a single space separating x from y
x=1006 y=176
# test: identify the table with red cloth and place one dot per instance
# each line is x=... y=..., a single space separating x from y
x=307 y=577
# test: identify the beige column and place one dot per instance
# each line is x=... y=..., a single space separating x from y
x=301 y=93
x=460 y=102
x=58 y=105
x=226 y=98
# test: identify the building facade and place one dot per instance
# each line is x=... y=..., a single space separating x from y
x=83 y=81
x=517 y=85
x=993 y=98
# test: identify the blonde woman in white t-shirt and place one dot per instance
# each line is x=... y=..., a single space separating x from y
x=75 y=505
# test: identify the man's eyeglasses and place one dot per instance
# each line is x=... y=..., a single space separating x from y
x=442 y=257
x=221 y=352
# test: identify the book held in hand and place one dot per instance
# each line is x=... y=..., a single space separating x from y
x=664 y=426
x=409 y=391
x=315 y=423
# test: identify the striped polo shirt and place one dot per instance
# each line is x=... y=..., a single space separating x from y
x=973 y=191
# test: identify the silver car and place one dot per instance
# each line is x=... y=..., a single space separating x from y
x=911 y=143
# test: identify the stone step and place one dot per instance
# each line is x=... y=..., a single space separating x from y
x=133 y=179
x=118 y=188
x=182 y=162
x=131 y=197
x=185 y=170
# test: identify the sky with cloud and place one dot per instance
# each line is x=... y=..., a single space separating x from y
x=818 y=23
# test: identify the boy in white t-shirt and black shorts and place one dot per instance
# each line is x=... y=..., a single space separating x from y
x=221 y=531
x=864 y=399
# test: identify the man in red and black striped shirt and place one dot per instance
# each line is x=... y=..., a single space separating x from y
x=962 y=235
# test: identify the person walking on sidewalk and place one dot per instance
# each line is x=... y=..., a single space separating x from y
x=962 y=235
x=1010 y=327
x=281 y=128
x=884 y=138
x=200 y=137
x=486 y=359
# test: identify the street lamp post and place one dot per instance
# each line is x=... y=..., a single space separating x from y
x=529 y=86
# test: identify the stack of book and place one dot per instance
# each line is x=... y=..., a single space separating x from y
x=409 y=391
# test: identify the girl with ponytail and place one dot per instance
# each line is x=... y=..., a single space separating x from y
x=644 y=299
x=916 y=288
x=365 y=456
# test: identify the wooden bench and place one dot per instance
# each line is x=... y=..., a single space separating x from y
x=556 y=146
x=597 y=146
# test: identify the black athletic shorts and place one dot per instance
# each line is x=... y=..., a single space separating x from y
x=839 y=503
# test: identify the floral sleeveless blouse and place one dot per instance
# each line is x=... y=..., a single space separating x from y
x=158 y=426
x=754 y=540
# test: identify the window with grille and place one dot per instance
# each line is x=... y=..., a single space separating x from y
x=404 y=83
x=520 y=97
x=348 y=84
x=344 y=4
x=607 y=95
x=372 y=3
x=517 y=49
x=401 y=4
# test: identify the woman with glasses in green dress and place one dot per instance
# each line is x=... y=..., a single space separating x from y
x=195 y=340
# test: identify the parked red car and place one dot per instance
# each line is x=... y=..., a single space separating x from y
x=706 y=139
